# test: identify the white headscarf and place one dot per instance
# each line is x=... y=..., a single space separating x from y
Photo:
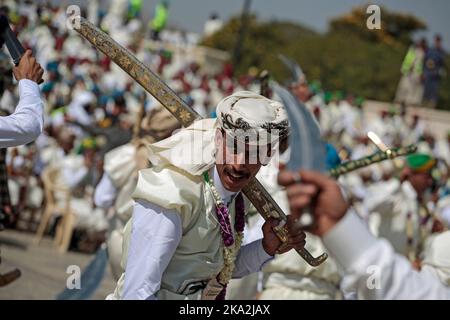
x=193 y=149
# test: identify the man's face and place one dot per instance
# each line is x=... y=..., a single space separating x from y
x=233 y=165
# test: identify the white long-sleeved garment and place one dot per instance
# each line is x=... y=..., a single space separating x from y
x=163 y=229
x=27 y=122
x=105 y=192
x=373 y=269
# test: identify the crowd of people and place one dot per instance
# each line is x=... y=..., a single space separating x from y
x=422 y=72
x=98 y=124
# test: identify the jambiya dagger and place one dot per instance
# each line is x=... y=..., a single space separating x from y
x=254 y=191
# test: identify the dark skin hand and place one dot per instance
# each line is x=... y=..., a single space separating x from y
x=271 y=243
x=28 y=68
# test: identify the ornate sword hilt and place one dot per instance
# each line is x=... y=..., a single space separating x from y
x=270 y=209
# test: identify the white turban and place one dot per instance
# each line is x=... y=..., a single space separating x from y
x=246 y=113
x=192 y=149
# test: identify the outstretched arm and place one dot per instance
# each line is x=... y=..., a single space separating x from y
x=27 y=122
x=155 y=235
x=372 y=268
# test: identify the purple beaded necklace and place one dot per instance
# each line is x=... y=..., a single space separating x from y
x=223 y=216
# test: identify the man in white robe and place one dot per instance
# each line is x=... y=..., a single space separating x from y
x=176 y=201
x=120 y=175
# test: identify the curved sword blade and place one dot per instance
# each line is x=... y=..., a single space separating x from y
x=308 y=151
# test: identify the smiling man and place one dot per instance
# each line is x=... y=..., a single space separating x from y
x=184 y=239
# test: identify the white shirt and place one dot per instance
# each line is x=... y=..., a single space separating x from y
x=373 y=269
x=105 y=192
x=162 y=228
x=27 y=122
x=73 y=170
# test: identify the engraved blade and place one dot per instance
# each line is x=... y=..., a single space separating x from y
x=139 y=72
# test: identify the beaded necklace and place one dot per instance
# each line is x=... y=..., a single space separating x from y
x=231 y=246
x=413 y=252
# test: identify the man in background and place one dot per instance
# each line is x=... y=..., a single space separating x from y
x=433 y=72
x=159 y=20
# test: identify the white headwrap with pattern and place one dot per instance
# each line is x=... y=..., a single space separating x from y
x=193 y=149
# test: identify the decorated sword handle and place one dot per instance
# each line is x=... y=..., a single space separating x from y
x=354 y=165
x=268 y=208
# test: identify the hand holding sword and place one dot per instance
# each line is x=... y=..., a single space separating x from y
x=26 y=66
x=312 y=158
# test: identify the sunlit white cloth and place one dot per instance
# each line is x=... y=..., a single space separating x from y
x=27 y=122
x=372 y=268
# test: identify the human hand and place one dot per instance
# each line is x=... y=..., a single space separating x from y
x=319 y=193
x=272 y=244
x=28 y=68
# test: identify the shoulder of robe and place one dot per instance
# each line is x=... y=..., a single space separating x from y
x=171 y=188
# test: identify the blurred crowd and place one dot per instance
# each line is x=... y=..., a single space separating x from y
x=422 y=71
x=93 y=107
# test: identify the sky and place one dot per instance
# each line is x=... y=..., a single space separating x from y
x=192 y=14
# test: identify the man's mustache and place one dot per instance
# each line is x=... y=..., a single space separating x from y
x=233 y=171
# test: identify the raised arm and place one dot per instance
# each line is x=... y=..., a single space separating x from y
x=371 y=267
x=27 y=122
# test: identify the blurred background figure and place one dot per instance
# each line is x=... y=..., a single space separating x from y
x=410 y=89
x=433 y=72
x=159 y=20
x=212 y=25
x=134 y=9
x=347 y=80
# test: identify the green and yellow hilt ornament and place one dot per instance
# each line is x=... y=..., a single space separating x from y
x=377 y=157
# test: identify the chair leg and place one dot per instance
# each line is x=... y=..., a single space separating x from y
x=67 y=232
x=43 y=224
x=59 y=232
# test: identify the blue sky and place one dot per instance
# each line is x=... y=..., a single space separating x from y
x=191 y=14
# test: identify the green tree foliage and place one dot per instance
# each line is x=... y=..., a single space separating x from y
x=396 y=28
x=349 y=57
